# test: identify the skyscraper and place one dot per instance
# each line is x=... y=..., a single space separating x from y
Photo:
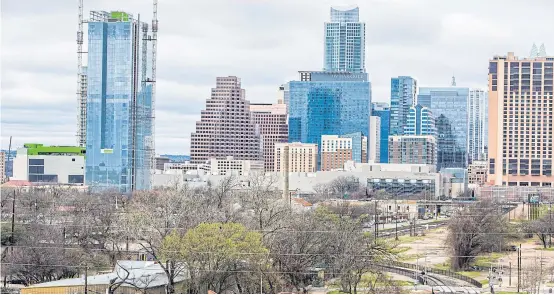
x=420 y=121
x=271 y=120
x=521 y=121
x=345 y=41
x=382 y=110
x=119 y=117
x=412 y=149
x=403 y=96
x=226 y=127
x=449 y=106
x=478 y=124
x=374 y=149
x=324 y=103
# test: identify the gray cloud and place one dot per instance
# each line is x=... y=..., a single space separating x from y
x=265 y=42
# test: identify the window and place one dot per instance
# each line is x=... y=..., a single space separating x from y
x=43 y=178
x=36 y=169
x=36 y=162
x=76 y=178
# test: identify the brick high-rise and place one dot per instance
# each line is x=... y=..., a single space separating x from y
x=521 y=106
x=226 y=127
x=271 y=120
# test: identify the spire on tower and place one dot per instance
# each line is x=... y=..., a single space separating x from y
x=453 y=81
x=542 y=51
x=534 y=51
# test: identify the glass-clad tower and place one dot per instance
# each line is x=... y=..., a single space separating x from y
x=382 y=110
x=345 y=41
x=327 y=103
x=449 y=106
x=403 y=96
x=420 y=121
x=119 y=104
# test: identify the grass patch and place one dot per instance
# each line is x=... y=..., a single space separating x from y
x=402 y=283
x=488 y=260
x=410 y=256
x=407 y=239
x=543 y=249
x=443 y=266
x=399 y=250
x=336 y=292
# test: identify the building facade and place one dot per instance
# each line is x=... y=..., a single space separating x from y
x=382 y=110
x=403 y=96
x=2 y=167
x=160 y=162
x=478 y=125
x=226 y=127
x=231 y=166
x=521 y=106
x=323 y=103
x=374 y=139
x=50 y=164
x=119 y=118
x=302 y=157
x=271 y=120
x=420 y=121
x=345 y=41
x=450 y=109
x=337 y=149
x=412 y=149
x=477 y=173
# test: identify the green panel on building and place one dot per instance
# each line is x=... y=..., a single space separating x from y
x=37 y=149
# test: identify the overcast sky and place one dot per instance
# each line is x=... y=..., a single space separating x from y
x=264 y=42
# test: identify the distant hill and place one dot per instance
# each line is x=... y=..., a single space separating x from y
x=177 y=158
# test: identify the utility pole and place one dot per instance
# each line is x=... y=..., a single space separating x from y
x=510 y=277
x=519 y=268
x=376 y=232
x=12 y=240
x=86 y=279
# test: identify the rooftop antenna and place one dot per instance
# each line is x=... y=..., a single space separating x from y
x=453 y=81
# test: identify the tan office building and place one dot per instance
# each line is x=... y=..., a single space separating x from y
x=520 y=115
x=226 y=127
x=302 y=157
x=271 y=120
x=413 y=149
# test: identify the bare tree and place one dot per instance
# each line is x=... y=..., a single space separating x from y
x=543 y=228
x=476 y=228
x=264 y=209
x=152 y=216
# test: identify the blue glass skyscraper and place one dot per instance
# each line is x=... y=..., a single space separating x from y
x=345 y=41
x=324 y=103
x=119 y=104
x=449 y=106
x=382 y=110
x=403 y=96
x=420 y=121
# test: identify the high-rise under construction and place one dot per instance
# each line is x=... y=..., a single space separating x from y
x=120 y=79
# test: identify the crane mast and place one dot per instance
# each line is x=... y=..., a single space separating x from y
x=153 y=111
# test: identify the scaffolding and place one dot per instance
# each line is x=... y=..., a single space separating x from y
x=141 y=112
x=81 y=84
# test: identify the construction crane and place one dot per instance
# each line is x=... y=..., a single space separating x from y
x=153 y=111
x=80 y=94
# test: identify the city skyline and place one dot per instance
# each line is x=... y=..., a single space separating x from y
x=38 y=88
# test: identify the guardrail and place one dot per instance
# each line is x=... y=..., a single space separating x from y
x=443 y=272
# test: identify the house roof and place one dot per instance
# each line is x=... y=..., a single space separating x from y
x=17 y=183
x=142 y=274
